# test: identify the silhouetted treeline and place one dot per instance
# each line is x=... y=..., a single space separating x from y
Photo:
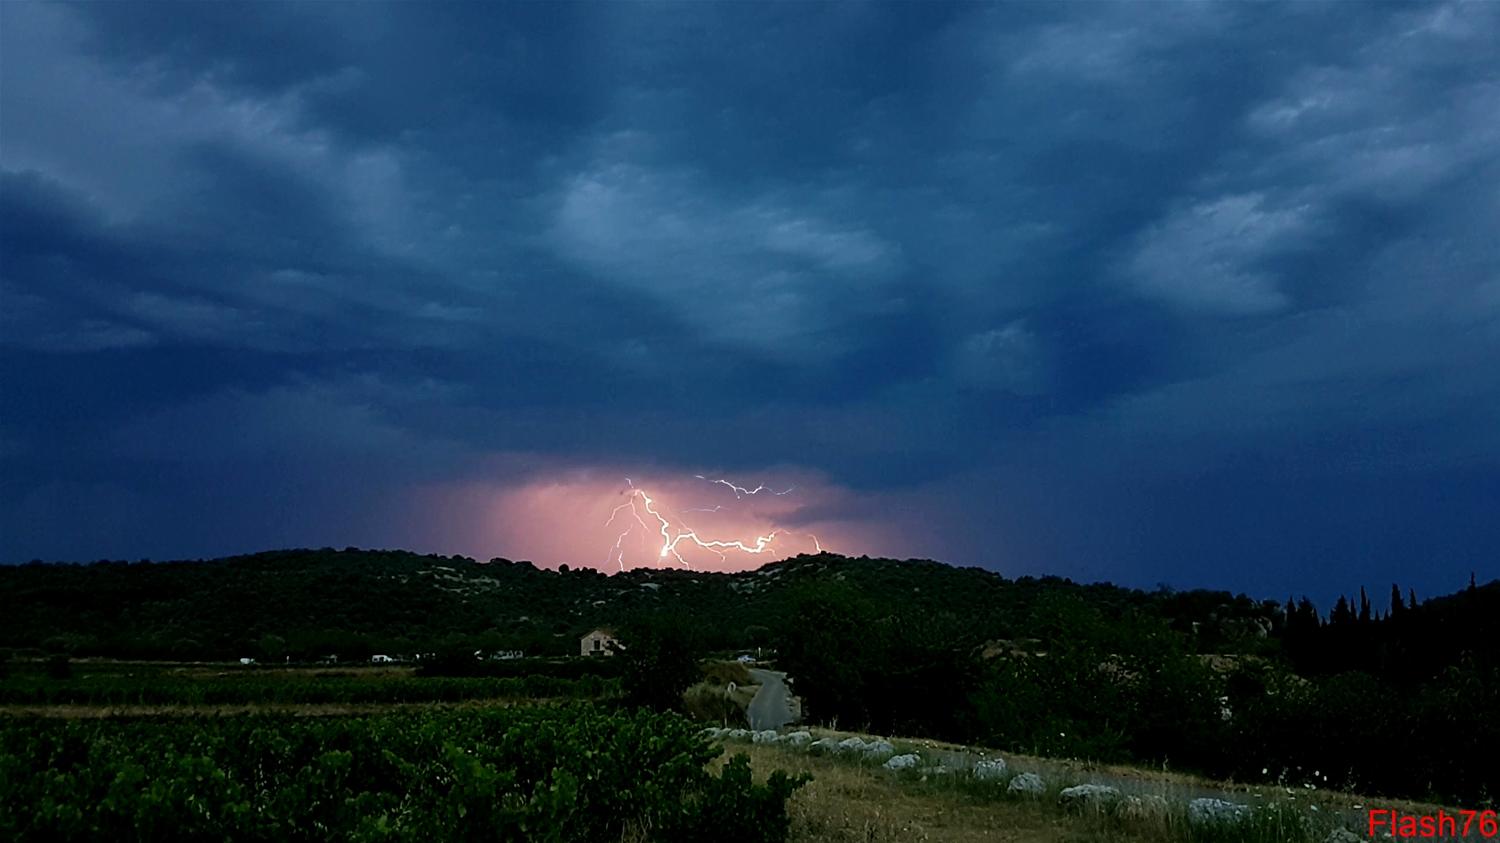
x=310 y=604
x=1404 y=642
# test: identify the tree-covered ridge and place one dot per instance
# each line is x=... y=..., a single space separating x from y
x=313 y=603
x=310 y=603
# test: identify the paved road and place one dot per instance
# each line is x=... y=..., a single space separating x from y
x=771 y=708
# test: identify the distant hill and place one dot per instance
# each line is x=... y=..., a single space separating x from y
x=311 y=603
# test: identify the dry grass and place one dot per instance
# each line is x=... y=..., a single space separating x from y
x=724 y=672
x=713 y=701
x=846 y=803
x=853 y=800
x=1167 y=782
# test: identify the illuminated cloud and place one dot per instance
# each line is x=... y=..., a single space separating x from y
x=574 y=516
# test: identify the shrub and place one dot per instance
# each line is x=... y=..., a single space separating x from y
x=711 y=703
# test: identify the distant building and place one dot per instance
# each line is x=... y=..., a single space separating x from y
x=381 y=659
x=600 y=642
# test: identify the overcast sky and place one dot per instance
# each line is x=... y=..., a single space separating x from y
x=1196 y=293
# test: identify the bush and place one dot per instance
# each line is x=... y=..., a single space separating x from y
x=724 y=672
x=756 y=813
x=711 y=703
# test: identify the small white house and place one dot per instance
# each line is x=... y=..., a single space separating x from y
x=381 y=659
x=600 y=642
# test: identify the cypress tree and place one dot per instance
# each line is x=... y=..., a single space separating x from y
x=1341 y=614
x=1310 y=617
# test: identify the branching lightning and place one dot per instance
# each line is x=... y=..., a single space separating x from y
x=644 y=508
x=741 y=491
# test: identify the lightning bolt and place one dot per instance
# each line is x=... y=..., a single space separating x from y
x=741 y=491
x=643 y=508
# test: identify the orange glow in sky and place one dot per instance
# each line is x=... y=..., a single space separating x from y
x=652 y=515
x=596 y=517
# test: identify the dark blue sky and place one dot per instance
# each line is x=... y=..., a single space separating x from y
x=1205 y=294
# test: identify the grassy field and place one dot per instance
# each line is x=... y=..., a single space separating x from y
x=857 y=800
x=851 y=803
x=98 y=688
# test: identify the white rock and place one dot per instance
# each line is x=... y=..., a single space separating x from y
x=738 y=734
x=1088 y=794
x=989 y=769
x=1216 y=812
x=879 y=749
x=765 y=736
x=902 y=762
x=852 y=744
x=822 y=745
x=797 y=738
x=1028 y=783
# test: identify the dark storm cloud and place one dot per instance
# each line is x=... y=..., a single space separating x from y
x=1194 y=292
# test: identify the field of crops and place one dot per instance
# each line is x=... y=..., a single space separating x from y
x=566 y=773
x=113 y=684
